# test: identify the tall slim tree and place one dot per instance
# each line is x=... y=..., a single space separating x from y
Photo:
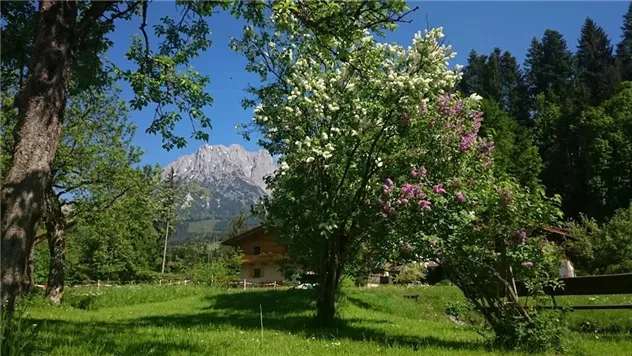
x=624 y=48
x=549 y=65
x=596 y=66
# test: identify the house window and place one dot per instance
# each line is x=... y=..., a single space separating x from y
x=257 y=273
x=256 y=250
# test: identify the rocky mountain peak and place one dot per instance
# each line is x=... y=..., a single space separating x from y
x=234 y=178
x=215 y=163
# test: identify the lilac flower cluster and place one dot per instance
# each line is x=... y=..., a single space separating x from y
x=438 y=189
x=416 y=173
x=445 y=106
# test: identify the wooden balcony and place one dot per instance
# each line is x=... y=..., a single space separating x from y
x=263 y=258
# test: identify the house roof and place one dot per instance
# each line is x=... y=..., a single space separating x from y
x=235 y=240
x=559 y=233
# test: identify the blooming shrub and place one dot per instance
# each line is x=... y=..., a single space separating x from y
x=441 y=201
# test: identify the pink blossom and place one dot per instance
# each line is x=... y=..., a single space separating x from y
x=367 y=202
x=422 y=171
x=388 y=208
x=424 y=204
x=444 y=105
x=522 y=237
x=460 y=197
x=458 y=107
x=389 y=182
x=414 y=173
x=407 y=246
x=466 y=142
x=438 y=189
x=402 y=201
x=477 y=118
x=527 y=264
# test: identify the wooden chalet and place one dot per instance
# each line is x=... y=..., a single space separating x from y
x=262 y=256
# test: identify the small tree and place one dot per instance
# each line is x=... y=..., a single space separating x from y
x=410 y=274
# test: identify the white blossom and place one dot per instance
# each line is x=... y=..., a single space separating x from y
x=475 y=97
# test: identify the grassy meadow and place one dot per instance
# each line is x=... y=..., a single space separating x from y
x=195 y=320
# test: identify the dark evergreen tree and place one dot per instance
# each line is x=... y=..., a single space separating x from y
x=624 y=48
x=498 y=77
x=474 y=75
x=515 y=90
x=596 y=68
x=499 y=80
x=549 y=65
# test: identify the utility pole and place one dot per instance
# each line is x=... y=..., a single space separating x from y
x=164 y=253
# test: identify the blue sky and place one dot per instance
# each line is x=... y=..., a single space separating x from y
x=468 y=25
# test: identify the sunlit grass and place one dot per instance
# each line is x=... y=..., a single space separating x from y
x=203 y=321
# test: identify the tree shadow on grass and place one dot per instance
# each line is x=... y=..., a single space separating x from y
x=283 y=311
x=293 y=311
x=103 y=338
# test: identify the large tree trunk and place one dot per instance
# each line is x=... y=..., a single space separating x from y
x=57 y=247
x=330 y=272
x=41 y=105
x=30 y=268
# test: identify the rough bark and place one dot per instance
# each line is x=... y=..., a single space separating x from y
x=31 y=263
x=41 y=106
x=56 y=227
x=56 y=274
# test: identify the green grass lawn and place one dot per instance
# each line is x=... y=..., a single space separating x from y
x=195 y=320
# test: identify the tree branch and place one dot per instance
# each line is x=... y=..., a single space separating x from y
x=121 y=14
x=142 y=29
x=96 y=10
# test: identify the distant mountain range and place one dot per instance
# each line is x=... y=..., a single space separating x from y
x=235 y=180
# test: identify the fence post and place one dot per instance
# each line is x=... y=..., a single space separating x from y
x=98 y=284
x=244 y=284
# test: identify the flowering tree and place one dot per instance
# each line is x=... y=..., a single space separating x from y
x=332 y=131
x=374 y=148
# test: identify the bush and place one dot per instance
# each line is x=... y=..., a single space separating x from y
x=412 y=273
x=605 y=248
x=545 y=332
x=216 y=274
